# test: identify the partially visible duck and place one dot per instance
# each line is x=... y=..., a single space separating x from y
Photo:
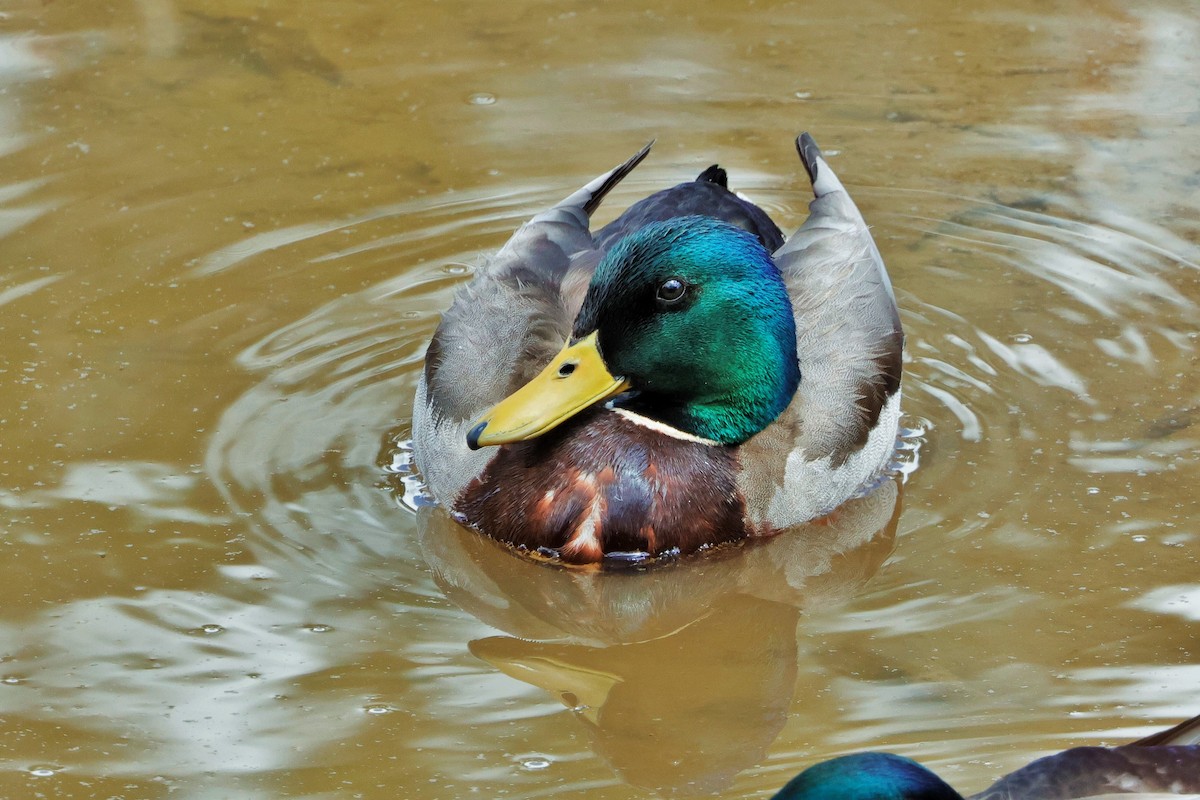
x=1164 y=763
x=681 y=378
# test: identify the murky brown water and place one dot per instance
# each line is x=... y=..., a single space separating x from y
x=228 y=229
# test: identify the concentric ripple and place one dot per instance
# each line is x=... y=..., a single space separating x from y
x=1079 y=319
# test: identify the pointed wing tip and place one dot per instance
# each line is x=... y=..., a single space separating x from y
x=810 y=154
x=1186 y=732
x=824 y=180
x=598 y=188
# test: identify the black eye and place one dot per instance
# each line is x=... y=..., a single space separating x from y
x=671 y=291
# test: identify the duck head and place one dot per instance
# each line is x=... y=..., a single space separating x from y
x=688 y=319
x=867 y=776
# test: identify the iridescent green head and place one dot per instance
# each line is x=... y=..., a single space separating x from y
x=694 y=314
x=867 y=776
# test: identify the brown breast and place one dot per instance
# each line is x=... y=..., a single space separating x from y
x=601 y=483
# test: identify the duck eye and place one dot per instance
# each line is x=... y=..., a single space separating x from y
x=671 y=290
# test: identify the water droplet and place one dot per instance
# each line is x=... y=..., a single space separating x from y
x=482 y=99
x=1139 y=538
x=208 y=630
x=319 y=628
x=1022 y=338
x=378 y=708
x=1093 y=490
x=535 y=764
x=803 y=95
x=42 y=771
x=11 y=679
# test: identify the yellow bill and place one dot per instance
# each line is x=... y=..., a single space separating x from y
x=575 y=379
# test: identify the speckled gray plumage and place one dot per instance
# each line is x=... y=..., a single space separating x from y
x=848 y=327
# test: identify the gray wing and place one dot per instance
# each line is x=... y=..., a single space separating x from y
x=503 y=326
x=1093 y=771
x=847 y=325
x=840 y=428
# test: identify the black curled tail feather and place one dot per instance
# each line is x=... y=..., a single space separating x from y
x=714 y=174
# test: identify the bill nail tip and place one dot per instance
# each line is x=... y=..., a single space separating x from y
x=473 y=436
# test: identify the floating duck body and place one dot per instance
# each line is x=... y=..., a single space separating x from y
x=716 y=382
x=1165 y=764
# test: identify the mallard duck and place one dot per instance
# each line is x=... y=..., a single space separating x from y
x=682 y=377
x=1167 y=762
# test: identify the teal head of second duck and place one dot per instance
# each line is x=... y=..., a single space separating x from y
x=680 y=378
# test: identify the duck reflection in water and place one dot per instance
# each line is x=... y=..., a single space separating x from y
x=683 y=673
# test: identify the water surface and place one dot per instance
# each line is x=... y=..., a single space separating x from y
x=229 y=229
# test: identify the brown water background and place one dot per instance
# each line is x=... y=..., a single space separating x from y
x=228 y=229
